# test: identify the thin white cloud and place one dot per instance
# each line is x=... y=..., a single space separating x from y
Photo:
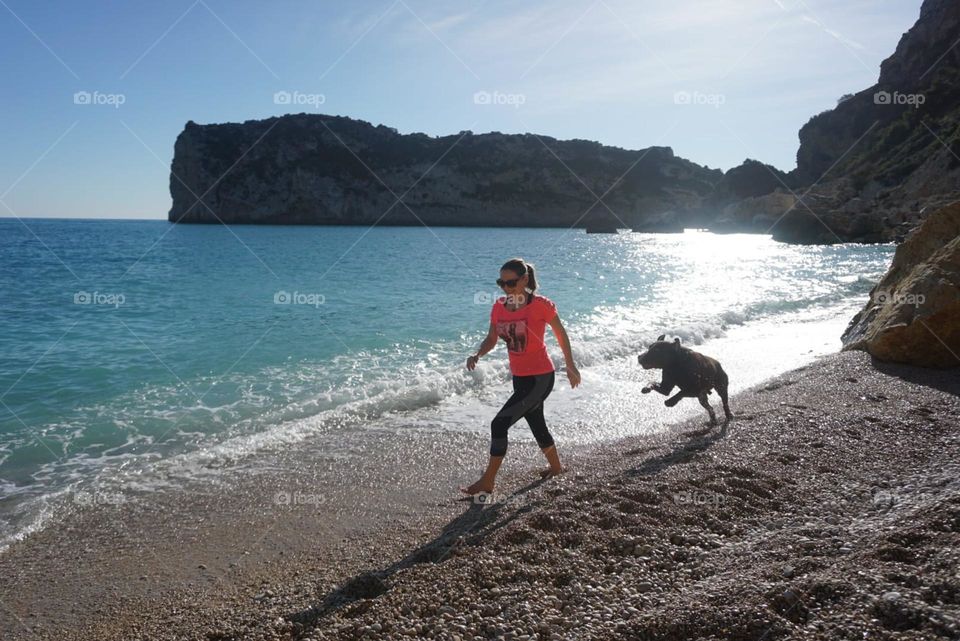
x=836 y=34
x=447 y=22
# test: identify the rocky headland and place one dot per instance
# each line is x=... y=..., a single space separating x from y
x=330 y=170
x=869 y=170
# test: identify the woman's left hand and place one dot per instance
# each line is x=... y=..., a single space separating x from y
x=573 y=375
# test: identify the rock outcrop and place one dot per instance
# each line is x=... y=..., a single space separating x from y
x=888 y=155
x=750 y=179
x=913 y=315
x=318 y=169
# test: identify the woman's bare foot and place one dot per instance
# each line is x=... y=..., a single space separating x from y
x=479 y=487
x=550 y=472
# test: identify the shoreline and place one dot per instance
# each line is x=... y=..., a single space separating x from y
x=237 y=562
x=759 y=349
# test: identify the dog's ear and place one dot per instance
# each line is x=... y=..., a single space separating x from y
x=661 y=337
x=676 y=341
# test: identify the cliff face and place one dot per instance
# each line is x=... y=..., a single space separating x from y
x=917 y=84
x=890 y=154
x=317 y=169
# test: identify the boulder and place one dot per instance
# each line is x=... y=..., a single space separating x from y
x=913 y=315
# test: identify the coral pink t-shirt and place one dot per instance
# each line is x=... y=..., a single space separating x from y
x=522 y=330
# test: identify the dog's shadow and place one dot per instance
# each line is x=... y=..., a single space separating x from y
x=479 y=520
x=698 y=440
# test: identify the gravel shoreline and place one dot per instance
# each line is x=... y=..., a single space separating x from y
x=829 y=509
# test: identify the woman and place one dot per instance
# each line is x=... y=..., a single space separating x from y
x=520 y=318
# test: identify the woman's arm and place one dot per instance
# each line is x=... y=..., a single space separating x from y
x=561 y=333
x=488 y=344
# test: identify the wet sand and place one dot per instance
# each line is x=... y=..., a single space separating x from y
x=829 y=508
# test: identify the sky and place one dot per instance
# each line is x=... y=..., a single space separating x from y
x=96 y=92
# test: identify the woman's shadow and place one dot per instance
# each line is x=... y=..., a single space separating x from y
x=482 y=518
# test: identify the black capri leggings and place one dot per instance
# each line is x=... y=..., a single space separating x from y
x=526 y=402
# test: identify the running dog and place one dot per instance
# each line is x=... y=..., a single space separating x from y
x=694 y=373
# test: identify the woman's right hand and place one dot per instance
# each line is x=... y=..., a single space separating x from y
x=472 y=362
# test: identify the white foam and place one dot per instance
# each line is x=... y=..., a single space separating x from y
x=607 y=405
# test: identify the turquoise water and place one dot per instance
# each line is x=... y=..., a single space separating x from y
x=126 y=343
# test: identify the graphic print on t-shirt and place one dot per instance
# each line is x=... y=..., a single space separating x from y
x=514 y=332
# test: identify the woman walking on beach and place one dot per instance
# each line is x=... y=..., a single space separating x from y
x=520 y=318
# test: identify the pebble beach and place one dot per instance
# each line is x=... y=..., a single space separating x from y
x=829 y=508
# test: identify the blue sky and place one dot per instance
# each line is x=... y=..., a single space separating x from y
x=719 y=81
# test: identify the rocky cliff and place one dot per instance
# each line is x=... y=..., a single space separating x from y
x=886 y=156
x=318 y=169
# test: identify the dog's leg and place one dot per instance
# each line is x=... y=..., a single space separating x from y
x=657 y=387
x=673 y=400
x=665 y=386
x=722 y=385
x=703 y=401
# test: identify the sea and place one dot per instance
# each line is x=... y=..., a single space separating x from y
x=142 y=355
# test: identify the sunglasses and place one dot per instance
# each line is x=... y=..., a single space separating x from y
x=507 y=283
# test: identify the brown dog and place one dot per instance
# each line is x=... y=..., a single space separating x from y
x=694 y=373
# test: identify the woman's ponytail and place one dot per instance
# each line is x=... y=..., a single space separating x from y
x=532 y=281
